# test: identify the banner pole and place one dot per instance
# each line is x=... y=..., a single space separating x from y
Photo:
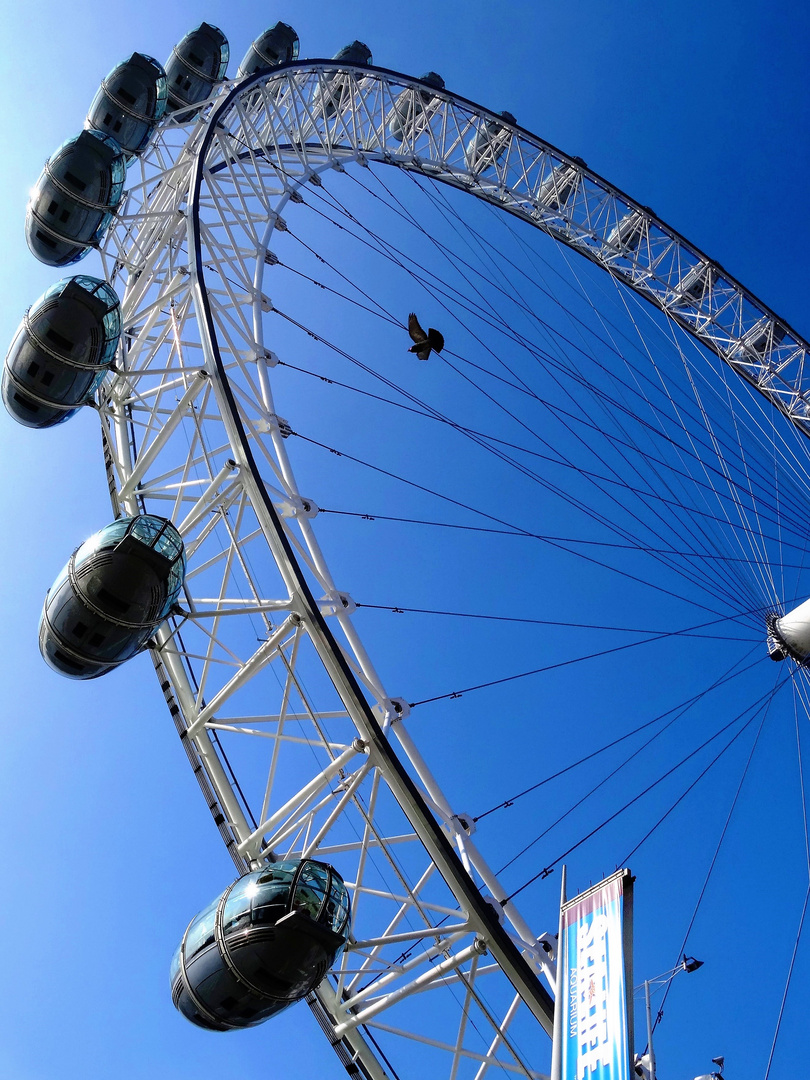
x=562 y=963
x=650 y=1051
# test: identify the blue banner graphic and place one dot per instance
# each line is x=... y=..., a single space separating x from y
x=596 y=1033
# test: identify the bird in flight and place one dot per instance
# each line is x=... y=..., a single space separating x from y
x=426 y=343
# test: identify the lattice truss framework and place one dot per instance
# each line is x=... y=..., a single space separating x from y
x=291 y=759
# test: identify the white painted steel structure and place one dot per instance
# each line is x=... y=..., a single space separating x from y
x=298 y=747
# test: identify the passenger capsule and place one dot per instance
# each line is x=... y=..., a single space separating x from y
x=62 y=350
x=196 y=65
x=488 y=144
x=354 y=53
x=628 y=232
x=265 y=943
x=764 y=337
x=555 y=190
x=335 y=86
x=278 y=45
x=130 y=102
x=695 y=286
x=115 y=591
x=75 y=197
x=414 y=108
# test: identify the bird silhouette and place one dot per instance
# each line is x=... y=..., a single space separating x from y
x=426 y=343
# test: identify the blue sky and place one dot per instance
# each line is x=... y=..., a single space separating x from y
x=698 y=110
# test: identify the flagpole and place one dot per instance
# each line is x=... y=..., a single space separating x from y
x=559 y=995
x=650 y=1051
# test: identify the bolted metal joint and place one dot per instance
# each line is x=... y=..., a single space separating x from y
x=464 y=822
x=400 y=709
x=294 y=506
x=335 y=603
x=548 y=943
x=273 y=423
x=496 y=906
x=267 y=356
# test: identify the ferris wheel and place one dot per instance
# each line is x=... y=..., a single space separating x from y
x=305 y=756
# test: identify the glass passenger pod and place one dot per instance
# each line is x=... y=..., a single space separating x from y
x=130 y=102
x=694 y=287
x=62 y=350
x=196 y=65
x=555 y=191
x=763 y=338
x=486 y=148
x=333 y=93
x=268 y=940
x=414 y=109
x=112 y=595
x=627 y=234
x=278 y=45
x=356 y=53
x=74 y=198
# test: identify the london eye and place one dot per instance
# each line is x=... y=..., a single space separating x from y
x=428 y=631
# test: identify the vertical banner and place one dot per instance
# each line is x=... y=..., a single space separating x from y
x=597 y=1015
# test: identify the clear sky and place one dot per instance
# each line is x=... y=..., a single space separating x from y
x=699 y=110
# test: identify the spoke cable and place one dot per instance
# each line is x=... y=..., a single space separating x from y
x=715 y=855
x=532 y=536
x=685 y=705
x=680 y=711
x=607 y=343
x=501 y=521
x=398 y=610
x=787 y=984
x=555 y=666
x=548 y=869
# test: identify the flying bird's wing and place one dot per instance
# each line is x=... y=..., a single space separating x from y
x=435 y=340
x=418 y=335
